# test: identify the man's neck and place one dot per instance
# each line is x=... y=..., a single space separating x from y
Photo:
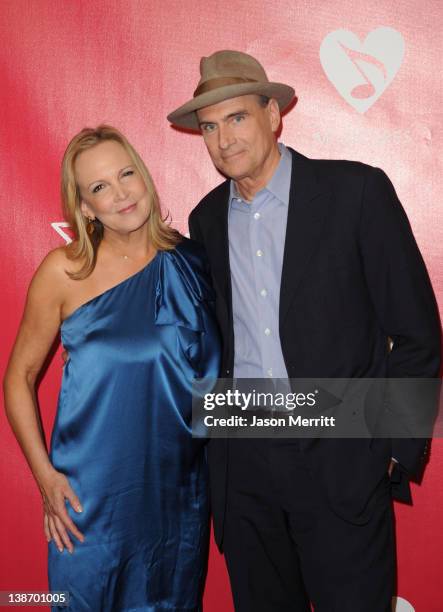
x=247 y=187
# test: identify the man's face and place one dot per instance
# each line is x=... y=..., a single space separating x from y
x=240 y=135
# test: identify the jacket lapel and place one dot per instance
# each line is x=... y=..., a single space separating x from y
x=218 y=244
x=308 y=204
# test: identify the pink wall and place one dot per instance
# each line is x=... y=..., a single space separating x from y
x=65 y=64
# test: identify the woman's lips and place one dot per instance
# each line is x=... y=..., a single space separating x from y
x=128 y=209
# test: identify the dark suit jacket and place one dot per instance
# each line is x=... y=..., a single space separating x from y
x=352 y=278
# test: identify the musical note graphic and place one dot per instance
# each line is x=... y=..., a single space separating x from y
x=367 y=89
x=361 y=70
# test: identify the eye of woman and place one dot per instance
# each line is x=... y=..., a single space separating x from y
x=128 y=172
x=97 y=188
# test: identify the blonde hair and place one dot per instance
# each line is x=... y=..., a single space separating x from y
x=85 y=246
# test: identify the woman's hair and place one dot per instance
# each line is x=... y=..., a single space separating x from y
x=85 y=246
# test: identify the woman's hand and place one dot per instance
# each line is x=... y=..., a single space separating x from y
x=55 y=488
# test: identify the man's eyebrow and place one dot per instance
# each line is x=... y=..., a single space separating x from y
x=235 y=113
x=226 y=117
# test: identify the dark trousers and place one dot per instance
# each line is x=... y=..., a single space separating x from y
x=285 y=547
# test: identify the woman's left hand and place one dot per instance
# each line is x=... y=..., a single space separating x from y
x=46 y=526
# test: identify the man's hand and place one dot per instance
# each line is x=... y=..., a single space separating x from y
x=391 y=467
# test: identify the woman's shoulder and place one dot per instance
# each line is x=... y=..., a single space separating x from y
x=50 y=281
x=55 y=269
x=191 y=248
x=57 y=263
x=191 y=263
x=194 y=254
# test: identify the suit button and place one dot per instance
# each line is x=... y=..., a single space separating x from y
x=228 y=371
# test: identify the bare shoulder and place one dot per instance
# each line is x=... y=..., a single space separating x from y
x=42 y=313
x=51 y=278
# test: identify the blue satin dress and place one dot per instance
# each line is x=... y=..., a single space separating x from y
x=123 y=438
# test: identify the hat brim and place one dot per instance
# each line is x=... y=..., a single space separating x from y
x=185 y=115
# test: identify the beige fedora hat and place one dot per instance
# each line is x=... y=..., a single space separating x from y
x=228 y=74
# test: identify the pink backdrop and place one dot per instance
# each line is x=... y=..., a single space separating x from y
x=72 y=63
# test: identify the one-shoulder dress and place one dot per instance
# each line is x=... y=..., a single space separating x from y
x=122 y=436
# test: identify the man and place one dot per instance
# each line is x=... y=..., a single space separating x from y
x=315 y=271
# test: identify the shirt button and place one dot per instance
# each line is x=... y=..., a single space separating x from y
x=257 y=216
x=259 y=253
x=270 y=372
x=267 y=331
x=263 y=293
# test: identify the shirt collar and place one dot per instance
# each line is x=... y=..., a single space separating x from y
x=280 y=182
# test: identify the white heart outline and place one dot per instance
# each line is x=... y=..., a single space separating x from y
x=399 y=604
x=384 y=44
x=57 y=226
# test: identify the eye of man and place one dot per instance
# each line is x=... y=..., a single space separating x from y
x=207 y=127
x=238 y=118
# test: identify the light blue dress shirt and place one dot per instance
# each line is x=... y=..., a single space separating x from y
x=257 y=233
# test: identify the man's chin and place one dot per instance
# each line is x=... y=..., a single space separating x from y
x=233 y=171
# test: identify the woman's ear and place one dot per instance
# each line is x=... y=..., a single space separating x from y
x=86 y=211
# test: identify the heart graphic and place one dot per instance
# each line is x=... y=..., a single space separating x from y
x=362 y=71
x=401 y=605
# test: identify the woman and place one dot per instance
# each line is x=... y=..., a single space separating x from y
x=124 y=477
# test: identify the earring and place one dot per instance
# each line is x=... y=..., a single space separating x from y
x=90 y=227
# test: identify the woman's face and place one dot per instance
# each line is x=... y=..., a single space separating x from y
x=112 y=188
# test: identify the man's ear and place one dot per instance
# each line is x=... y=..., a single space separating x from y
x=86 y=211
x=274 y=114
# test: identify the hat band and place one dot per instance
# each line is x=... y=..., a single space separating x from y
x=220 y=82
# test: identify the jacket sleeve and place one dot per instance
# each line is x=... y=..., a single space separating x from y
x=402 y=296
x=194 y=229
